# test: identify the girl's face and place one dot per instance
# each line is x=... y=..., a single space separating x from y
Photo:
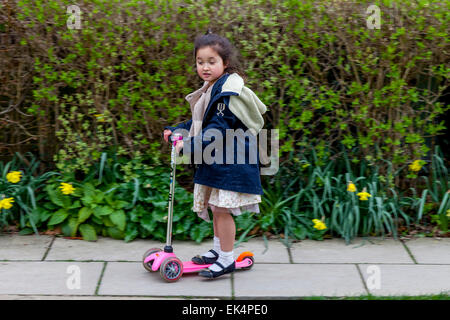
x=210 y=65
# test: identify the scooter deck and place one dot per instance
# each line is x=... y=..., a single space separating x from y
x=245 y=260
x=189 y=266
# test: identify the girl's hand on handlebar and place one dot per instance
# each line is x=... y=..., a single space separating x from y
x=167 y=133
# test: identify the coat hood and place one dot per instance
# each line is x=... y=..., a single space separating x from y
x=244 y=103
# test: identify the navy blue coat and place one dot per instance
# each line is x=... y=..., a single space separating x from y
x=235 y=176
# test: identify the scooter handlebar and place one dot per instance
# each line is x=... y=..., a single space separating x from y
x=175 y=137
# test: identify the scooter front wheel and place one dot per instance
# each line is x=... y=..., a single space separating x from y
x=171 y=269
x=148 y=265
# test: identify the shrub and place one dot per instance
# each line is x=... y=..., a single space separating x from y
x=327 y=78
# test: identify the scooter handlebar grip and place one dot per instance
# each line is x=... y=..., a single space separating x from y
x=175 y=137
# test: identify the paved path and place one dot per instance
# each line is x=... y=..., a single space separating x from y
x=47 y=267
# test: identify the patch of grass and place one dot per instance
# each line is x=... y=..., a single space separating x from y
x=441 y=296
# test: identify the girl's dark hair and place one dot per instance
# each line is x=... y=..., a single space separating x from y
x=224 y=48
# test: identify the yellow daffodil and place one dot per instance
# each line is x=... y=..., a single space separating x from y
x=6 y=203
x=351 y=187
x=66 y=188
x=100 y=117
x=363 y=195
x=319 y=225
x=416 y=165
x=14 y=176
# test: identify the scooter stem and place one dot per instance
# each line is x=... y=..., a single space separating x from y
x=173 y=162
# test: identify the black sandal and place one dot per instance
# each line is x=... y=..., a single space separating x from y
x=208 y=273
x=205 y=260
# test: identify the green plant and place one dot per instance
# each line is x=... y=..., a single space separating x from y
x=89 y=210
x=149 y=217
x=320 y=190
x=435 y=197
x=124 y=199
x=280 y=211
x=24 y=192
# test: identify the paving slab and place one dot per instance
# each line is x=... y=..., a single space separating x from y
x=360 y=250
x=430 y=250
x=272 y=251
x=129 y=278
x=320 y=268
x=31 y=247
x=107 y=249
x=408 y=280
x=104 y=249
x=276 y=251
x=51 y=278
x=298 y=280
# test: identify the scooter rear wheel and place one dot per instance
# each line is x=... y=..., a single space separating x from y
x=148 y=265
x=251 y=265
x=171 y=269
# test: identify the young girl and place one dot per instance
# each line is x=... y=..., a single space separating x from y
x=223 y=102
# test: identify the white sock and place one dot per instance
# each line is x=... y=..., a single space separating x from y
x=216 y=248
x=225 y=258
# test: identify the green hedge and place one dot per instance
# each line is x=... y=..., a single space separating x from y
x=327 y=78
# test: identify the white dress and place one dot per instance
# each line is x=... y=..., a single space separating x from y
x=236 y=202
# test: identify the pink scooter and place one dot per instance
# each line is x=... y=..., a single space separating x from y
x=170 y=267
